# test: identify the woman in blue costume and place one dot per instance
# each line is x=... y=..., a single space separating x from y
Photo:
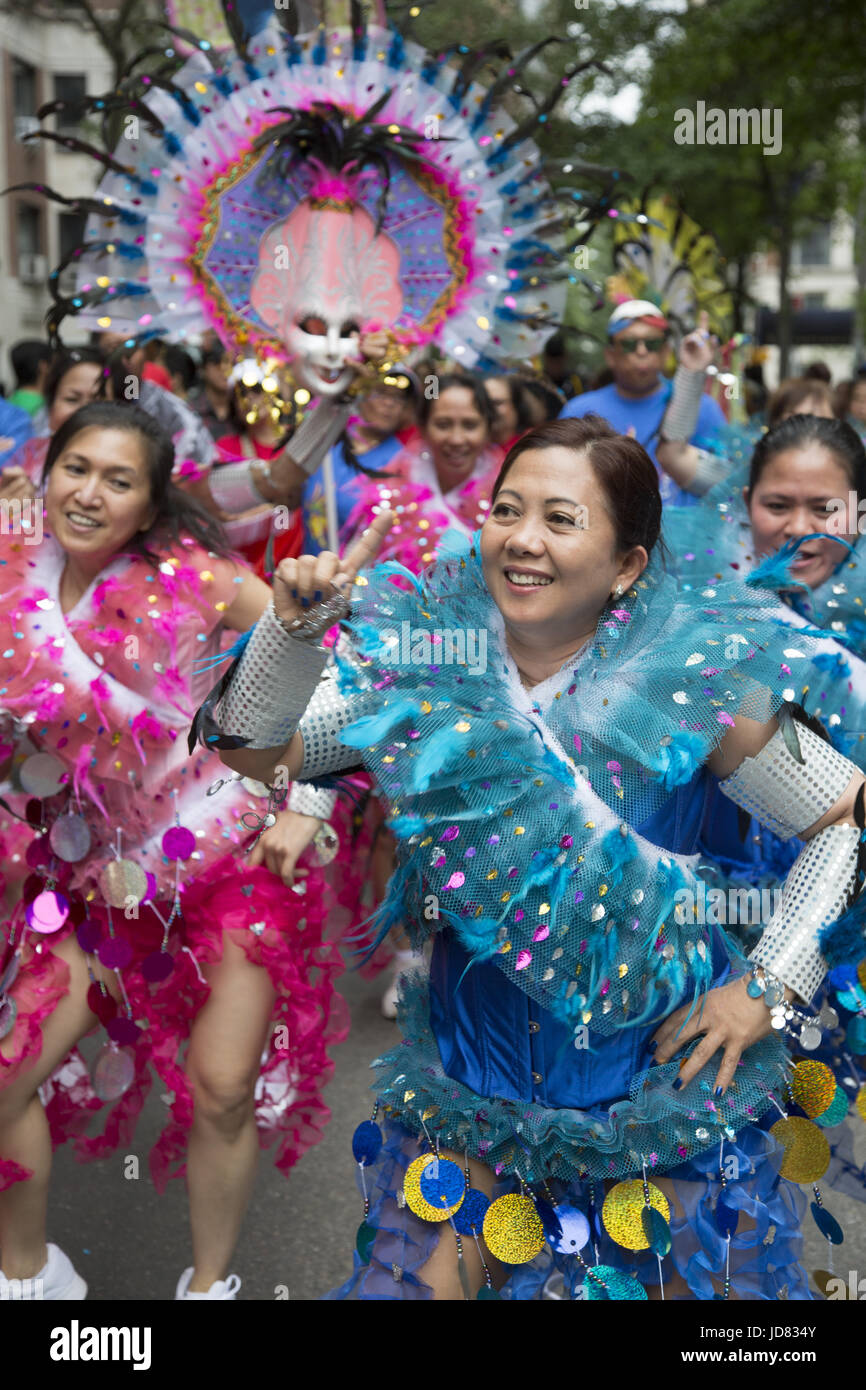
x=582 y=1039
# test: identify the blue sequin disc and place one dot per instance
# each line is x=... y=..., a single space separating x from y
x=827 y=1224
x=367 y=1143
x=836 y=1111
x=442 y=1183
x=857 y=1035
x=617 y=1286
x=472 y=1212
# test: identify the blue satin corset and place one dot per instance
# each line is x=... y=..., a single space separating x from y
x=496 y=1040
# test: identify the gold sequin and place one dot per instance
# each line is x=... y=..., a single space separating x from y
x=512 y=1229
x=813 y=1087
x=807 y=1152
x=622 y=1210
x=412 y=1192
x=860 y=1102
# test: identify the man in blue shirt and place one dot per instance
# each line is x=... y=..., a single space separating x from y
x=638 y=396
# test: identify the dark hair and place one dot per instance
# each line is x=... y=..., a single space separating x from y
x=212 y=355
x=176 y=512
x=798 y=431
x=818 y=371
x=549 y=398
x=473 y=384
x=63 y=363
x=177 y=362
x=26 y=358
x=795 y=392
x=622 y=467
x=517 y=395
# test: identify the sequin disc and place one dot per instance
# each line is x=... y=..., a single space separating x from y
x=8 y=1015
x=9 y=974
x=603 y=1282
x=860 y=1102
x=103 y=1005
x=114 y=952
x=157 y=966
x=813 y=1087
x=70 y=838
x=123 y=1031
x=807 y=1153
x=836 y=1111
x=513 y=1231
x=89 y=935
x=857 y=1035
x=469 y=1219
x=573 y=1231
x=178 y=843
x=112 y=1073
x=42 y=775
x=414 y=1199
x=47 y=912
x=443 y=1184
x=810 y=1037
x=122 y=879
x=367 y=1142
x=622 y=1209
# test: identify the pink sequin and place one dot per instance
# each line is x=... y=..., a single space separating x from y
x=523 y=959
x=541 y=933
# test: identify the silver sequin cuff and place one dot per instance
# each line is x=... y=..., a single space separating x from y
x=815 y=893
x=317 y=432
x=232 y=487
x=710 y=469
x=681 y=417
x=271 y=687
x=784 y=795
x=312 y=801
x=326 y=716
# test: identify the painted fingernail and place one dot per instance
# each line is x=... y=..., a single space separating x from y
x=294 y=593
x=317 y=596
x=651 y=1047
x=678 y=1083
x=717 y=1092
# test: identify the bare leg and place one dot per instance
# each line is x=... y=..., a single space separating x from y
x=440 y=1271
x=223 y=1065
x=24 y=1135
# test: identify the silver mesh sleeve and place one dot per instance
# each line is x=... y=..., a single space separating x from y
x=232 y=487
x=312 y=801
x=271 y=687
x=317 y=432
x=784 y=795
x=681 y=417
x=815 y=893
x=710 y=469
x=328 y=713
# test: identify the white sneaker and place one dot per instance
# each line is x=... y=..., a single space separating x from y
x=56 y=1281
x=221 y=1288
x=403 y=960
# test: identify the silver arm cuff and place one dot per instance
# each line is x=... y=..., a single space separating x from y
x=232 y=487
x=329 y=712
x=312 y=801
x=272 y=686
x=710 y=469
x=317 y=432
x=681 y=417
x=784 y=795
x=815 y=893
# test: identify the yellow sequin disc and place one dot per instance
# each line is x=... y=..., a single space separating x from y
x=513 y=1231
x=860 y=1102
x=813 y=1087
x=412 y=1192
x=807 y=1152
x=622 y=1209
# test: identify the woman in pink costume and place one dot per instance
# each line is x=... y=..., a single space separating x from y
x=440 y=481
x=137 y=851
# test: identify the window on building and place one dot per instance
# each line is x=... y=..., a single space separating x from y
x=71 y=87
x=23 y=98
x=29 y=230
x=815 y=299
x=814 y=247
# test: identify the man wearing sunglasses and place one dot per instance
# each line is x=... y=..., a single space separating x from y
x=639 y=394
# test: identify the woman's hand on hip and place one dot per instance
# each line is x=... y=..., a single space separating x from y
x=728 y=1018
x=281 y=846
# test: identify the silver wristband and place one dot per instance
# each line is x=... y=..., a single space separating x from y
x=317 y=432
x=233 y=488
x=681 y=417
x=784 y=795
x=815 y=893
x=271 y=687
x=312 y=801
x=710 y=469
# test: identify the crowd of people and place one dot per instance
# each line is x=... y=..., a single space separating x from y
x=581 y=531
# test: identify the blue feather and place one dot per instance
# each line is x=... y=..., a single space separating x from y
x=235 y=650
x=373 y=727
x=775 y=572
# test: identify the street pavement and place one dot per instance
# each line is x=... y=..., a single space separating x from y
x=297 y=1241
